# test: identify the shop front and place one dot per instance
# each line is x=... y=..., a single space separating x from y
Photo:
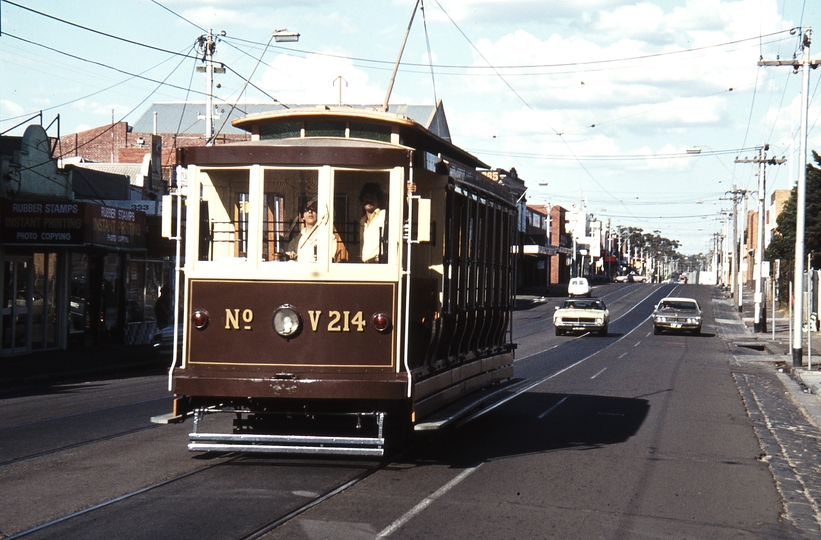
x=68 y=273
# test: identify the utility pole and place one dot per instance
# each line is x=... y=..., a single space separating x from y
x=208 y=47
x=736 y=195
x=759 y=313
x=801 y=202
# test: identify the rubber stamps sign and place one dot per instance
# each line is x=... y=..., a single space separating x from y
x=71 y=223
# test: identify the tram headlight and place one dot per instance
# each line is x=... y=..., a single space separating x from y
x=287 y=322
x=200 y=319
x=381 y=322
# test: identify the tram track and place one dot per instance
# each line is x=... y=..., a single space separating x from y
x=75 y=445
x=104 y=504
x=62 y=433
x=56 y=527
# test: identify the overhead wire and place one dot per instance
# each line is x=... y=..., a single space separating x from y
x=567 y=145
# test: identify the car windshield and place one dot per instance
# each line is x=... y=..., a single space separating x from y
x=583 y=304
x=680 y=305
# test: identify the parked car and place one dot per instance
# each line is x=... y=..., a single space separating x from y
x=621 y=279
x=581 y=315
x=163 y=340
x=677 y=314
x=578 y=287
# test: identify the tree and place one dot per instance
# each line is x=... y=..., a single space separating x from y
x=782 y=245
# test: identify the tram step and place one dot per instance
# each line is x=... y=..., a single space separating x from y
x=484 y=399
x=287 y=444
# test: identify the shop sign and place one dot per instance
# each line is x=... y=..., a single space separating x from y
x=71 y=224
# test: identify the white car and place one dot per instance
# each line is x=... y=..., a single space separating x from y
x=576 y=315
x=677 y=314
x=578 y=287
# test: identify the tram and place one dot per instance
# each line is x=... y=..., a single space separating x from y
x=347 y=278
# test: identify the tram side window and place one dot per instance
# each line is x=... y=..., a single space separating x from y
x=361 y=213
x=292 y=220
x=226 y=229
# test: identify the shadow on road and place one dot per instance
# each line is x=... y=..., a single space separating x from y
x=568 y=421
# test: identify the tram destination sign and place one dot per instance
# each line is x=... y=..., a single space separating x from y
x=71 y=224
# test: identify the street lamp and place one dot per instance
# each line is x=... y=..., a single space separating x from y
x=284 y=36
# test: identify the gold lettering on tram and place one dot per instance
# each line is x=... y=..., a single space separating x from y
x=339 y=321
x=233 y=317
x=333 y=324
x=314 y=315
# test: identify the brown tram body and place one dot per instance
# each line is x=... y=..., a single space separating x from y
x=388 y=343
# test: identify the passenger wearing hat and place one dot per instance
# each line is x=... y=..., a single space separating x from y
x=304 y=247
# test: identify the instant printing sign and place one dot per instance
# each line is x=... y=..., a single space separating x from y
x=71 y=224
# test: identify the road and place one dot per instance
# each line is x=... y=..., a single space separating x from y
x=626 y=436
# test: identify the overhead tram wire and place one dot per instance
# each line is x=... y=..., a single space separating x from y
x=139 y=76
x=87 y=29
x=171 y=11
x=239 y=94
x=133 y=75
x=614 y=157
x=86 y=95
x=569 y=149
x=506 y=67
x=103 y=132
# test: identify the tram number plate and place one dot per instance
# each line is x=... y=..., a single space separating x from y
x=338 y=321
x=333 y=321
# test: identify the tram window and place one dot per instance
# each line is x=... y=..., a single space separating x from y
x=370 y=131
x=361 y=209
x=228 y=213
x=281 y=130
x=324 y=128
x=289 y=232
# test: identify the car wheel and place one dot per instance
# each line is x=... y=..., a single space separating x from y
x=697 y=331
x=656 y=330
x=559 y=332
x=603 y=332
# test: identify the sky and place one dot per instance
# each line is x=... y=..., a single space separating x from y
x=593 y=102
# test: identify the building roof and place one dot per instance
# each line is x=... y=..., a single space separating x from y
x=134 y=171
x=189 y=117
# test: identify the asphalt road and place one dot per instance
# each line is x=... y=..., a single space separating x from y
x=626 y=436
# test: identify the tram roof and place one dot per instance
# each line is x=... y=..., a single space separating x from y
x=188 y=117
x=424 y=126
x=414 y=134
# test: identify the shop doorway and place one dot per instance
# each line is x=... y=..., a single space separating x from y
x=30 y=301
x=18 y=305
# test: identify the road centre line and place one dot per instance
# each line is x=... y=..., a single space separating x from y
x=625 y=335
x=556 y=374
x=427 y=501
x=553 y=408
x=543 y=379
x=599 y=373
x=622 y=356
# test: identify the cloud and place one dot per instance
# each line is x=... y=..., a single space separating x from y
x=99 y=109
x=314 y=79
x=11 y=108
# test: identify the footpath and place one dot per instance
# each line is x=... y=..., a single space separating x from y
x=775 y=345
x=47 y=368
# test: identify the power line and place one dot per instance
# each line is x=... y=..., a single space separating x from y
x=132 y=75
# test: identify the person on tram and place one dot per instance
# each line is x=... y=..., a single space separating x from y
x=303 y=248
x=372 y=229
